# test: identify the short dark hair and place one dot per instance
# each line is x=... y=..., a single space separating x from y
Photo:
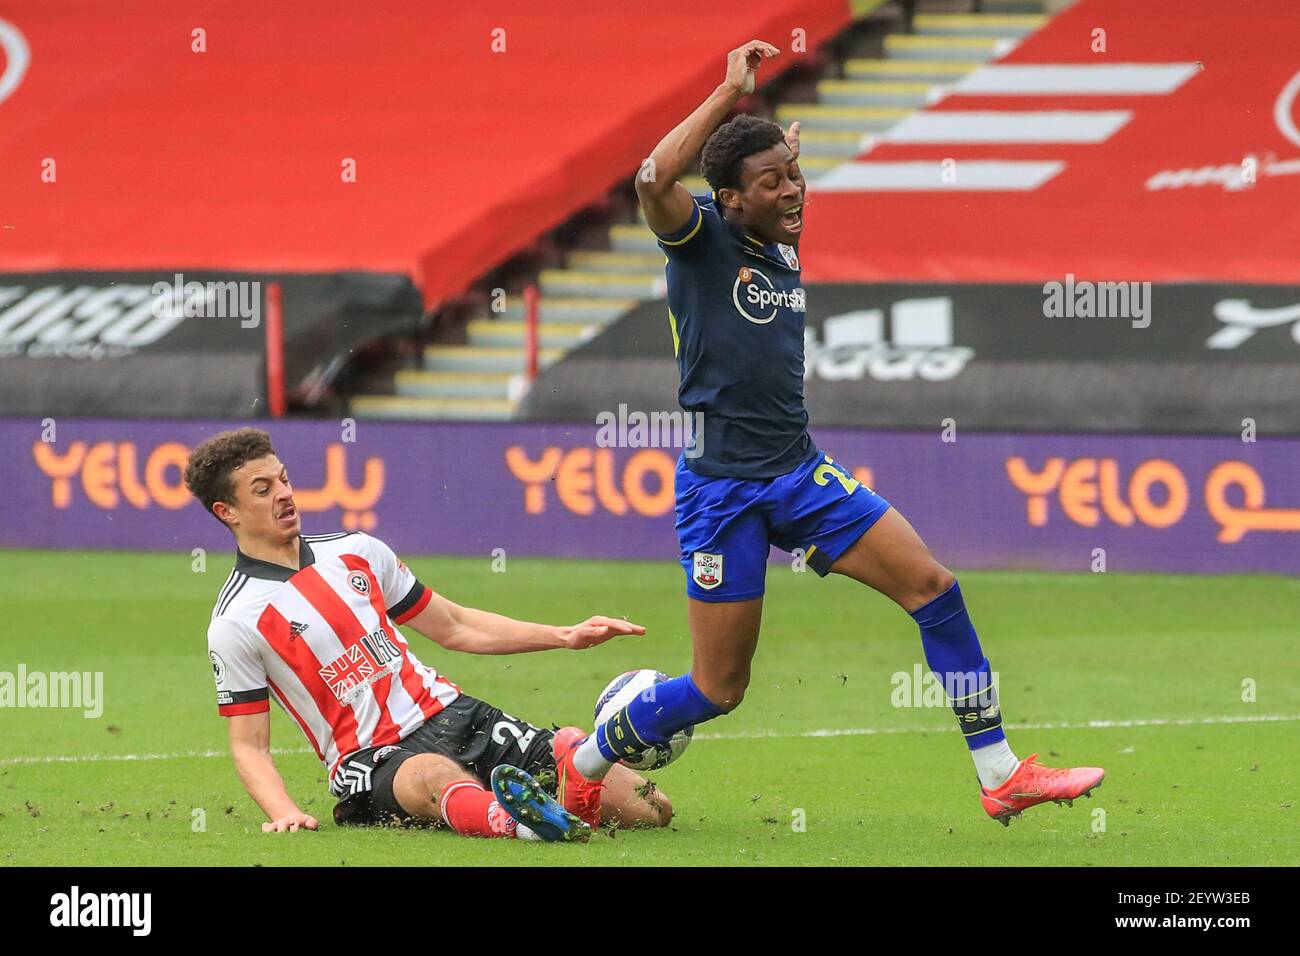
x=209 y=473
x=725 y=151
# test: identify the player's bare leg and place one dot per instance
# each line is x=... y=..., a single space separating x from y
x=891 y=558
x=435 y=789
x=724 y=636
x=630 y=800
x=617 y=796
x=420 y=781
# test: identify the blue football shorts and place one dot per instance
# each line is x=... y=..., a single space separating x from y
x=726 y=526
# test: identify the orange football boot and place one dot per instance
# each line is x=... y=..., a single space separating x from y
x=1032 y=784
x=575 y=792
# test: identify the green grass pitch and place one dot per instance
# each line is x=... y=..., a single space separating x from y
x=1195 y=774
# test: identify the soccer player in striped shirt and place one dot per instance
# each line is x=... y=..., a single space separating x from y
x=755 y=479
x=313 y=622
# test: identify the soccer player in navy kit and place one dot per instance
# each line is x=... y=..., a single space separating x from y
x=755 y=478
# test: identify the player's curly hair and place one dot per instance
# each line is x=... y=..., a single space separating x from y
x=211 y=466
x=725 y=150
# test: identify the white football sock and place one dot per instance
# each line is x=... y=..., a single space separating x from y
x=589 y=761
x=995 y=764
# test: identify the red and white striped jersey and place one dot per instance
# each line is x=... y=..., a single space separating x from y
x=323 y=640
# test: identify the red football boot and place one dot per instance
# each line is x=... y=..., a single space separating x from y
x=1032 y=784
x=575 y=792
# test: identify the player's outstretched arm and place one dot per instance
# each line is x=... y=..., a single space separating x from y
x=473 y=631
x=250 y=745
x=667 y=204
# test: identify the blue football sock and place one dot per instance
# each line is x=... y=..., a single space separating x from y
x=952 y=649
x=652 y=718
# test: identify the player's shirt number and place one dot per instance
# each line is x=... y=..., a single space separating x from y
x=828 y=470
x=504 y=727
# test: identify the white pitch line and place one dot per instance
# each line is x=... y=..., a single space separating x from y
x=1059 y=725
x=125 y=758
x=751 y=735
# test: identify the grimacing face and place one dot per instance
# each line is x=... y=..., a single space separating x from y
x=263 y=508
x=770 y=200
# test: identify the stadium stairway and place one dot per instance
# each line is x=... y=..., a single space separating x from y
x=484 y=379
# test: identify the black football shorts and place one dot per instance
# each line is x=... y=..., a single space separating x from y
x=469 y=731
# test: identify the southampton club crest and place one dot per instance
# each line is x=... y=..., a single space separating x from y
x=707 y=570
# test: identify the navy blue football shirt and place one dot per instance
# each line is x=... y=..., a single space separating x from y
x=736 y=306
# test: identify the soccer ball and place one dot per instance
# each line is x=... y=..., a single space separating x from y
x=620 y=692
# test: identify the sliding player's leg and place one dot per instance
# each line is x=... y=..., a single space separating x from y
x=432 y=788
x=435 y=789
x=511 y=755
x=628 y=799
x=891 y=558
x=445 y=771
x=623 y=798
x=400 y=786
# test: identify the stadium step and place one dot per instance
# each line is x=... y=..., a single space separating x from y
x=976 y=24
x=551 y=335
x=622 y=285
x=860 y=9
x=477 y=358
x=831 y=143
x=618 y=261
x=872 y=93
x=559 y=308
x=816 y=116
x=908 y=71
x=815 y=166
x=634 y=238
x=902 y=46
x=465 y=409
x=414 y=383
x=1014 y=6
